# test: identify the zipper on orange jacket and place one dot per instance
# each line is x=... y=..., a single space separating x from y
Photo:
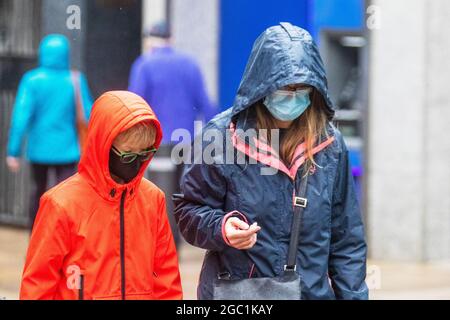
x=122 y=242
x=81 y=289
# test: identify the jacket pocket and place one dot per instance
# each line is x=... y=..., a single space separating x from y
x=109 y=297
x=148 y=295
x=144 y=295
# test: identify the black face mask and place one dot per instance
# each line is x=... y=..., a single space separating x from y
x=125 y=171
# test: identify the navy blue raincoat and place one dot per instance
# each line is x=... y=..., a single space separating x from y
x=332 y=250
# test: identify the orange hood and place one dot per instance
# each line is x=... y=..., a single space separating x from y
x=113 y=113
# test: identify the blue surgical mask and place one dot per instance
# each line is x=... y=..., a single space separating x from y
x=288 y=105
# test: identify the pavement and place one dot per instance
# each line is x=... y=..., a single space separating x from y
x=386 y=279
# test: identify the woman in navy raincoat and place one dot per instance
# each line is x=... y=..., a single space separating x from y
x=241 y=212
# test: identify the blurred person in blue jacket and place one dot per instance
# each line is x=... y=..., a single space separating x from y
x=172 y=84
x=44 y=114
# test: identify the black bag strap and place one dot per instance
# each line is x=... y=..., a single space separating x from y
x=76 y=76
x=300 y=202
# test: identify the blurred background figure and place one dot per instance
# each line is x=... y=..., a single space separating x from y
x=44 y=114
x=172 y=83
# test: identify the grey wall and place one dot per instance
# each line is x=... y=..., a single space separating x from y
x=107 y=43
x=113 y=42
x=195 y=28
x=54 y=18
x=436 y=140
x=408 y=150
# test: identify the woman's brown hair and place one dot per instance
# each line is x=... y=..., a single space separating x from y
x=309 y=127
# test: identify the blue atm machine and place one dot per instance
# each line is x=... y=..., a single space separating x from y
x=338 y=26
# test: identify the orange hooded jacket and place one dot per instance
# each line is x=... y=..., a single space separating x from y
x=97 y=239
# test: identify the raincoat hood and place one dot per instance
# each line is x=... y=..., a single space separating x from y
x=281 y=55
x=113 y=113
x=54 y=52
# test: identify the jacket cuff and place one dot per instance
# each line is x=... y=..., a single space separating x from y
x=13 y=151
x=234 y=213
x=342 y=294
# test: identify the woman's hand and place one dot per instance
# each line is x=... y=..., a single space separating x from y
x=240 y=235
x=13 y=164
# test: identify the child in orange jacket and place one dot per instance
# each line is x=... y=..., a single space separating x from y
x=104 y=233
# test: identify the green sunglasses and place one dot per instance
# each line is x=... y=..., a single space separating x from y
x=128 y=157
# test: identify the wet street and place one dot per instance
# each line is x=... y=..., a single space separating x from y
x=393 y=280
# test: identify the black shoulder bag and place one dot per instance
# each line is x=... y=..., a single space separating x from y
x=286 y=286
